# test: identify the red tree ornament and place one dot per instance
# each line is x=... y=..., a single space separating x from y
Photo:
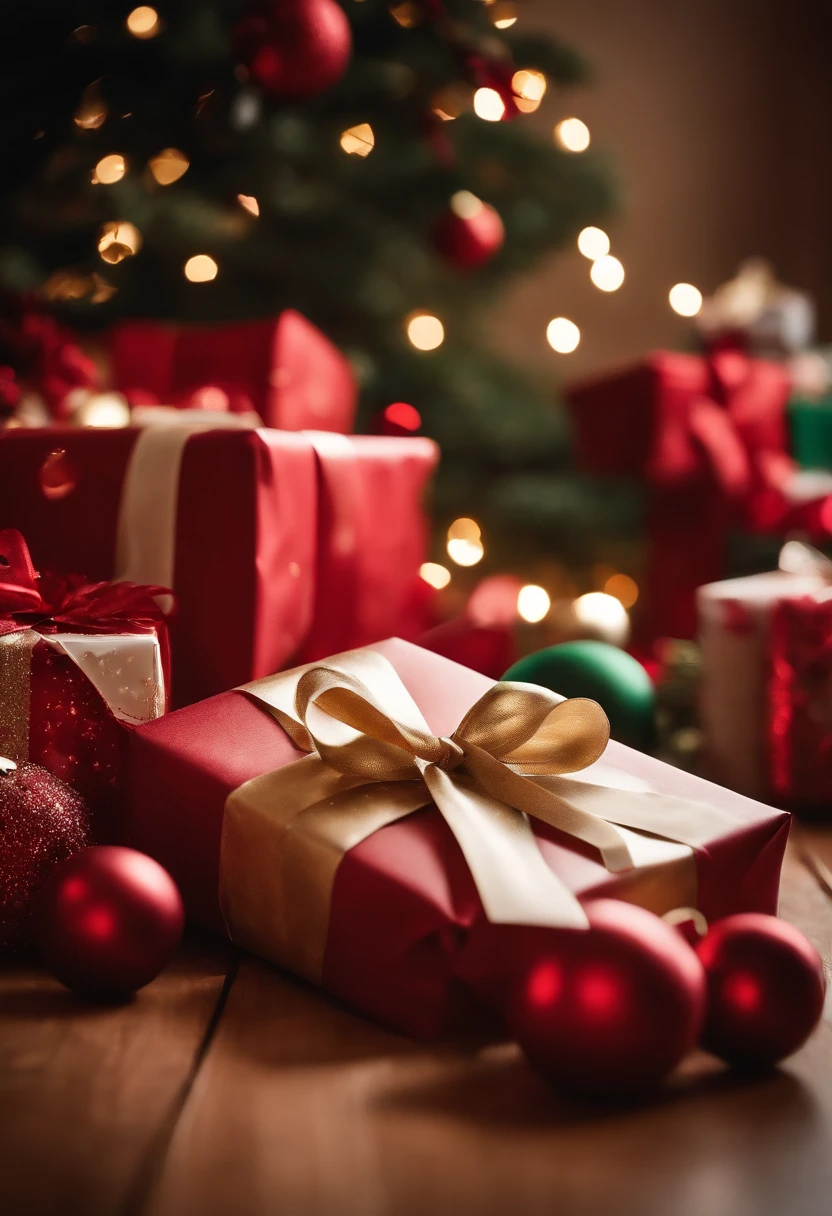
x=609 y=1011
x=765 y=989
x=42 y=821
x=296 y=48
x=469 y=232
x=109 y=920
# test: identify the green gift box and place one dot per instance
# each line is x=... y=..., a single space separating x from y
x=810 y=428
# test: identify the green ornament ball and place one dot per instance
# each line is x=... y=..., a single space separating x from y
x=605 y=674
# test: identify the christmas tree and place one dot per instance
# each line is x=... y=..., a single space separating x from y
x=368 y=164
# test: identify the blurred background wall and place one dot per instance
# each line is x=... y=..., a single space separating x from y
x=717 y=117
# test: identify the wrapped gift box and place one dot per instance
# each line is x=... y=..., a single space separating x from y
x=77 y=665
x=273 y=542
x=810 y=429
x=766 y=685
x=284 y=369
x=708 y=436
x=355 y=887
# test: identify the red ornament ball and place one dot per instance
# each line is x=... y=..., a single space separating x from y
x=469 y=232
x=296 y=48
x=42 y=821
x=609 y=1011
x=109 y=921
x=766 y=989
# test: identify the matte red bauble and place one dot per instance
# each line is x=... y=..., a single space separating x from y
x=609 y=1011
x=42 y=821
x=109 y=920
x=296 y=48
x=765 y=989
x=469 y=233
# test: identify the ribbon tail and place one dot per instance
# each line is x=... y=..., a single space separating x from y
x=514 y=882
x=676 y=819
x=550 y=800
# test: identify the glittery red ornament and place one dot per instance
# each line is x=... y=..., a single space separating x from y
x=609 y=1011
x=765 y=989
x=469 y=232
x=109 y=920
x=295 y=48
x=42 y=821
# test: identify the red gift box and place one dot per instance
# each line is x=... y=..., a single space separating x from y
x=708 y=434
x=78 y=664
x=284 y=369
x=275 y=544
x=403 y=935
x=766 y=685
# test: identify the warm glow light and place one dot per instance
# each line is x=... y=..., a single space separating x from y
x=169 y=166
x=403 y=415
x=465 y=552
x=464 y=529
x=200 y=268
x=465 y=545
x=572 y=134
x=528 y=87
x=249 y=202
x=562 y=335
x=105 y=409
x=607 y=273
x=435 y=575
x=601 y=611
x=407 y=14
x=533 y=603
x=528 y=84
x=504 y=15
x=358 y=141
x=425 y=331
x=143 y=22
x=623 y=588
x=593 y=243
x=465 y=204
x=118 y=240
x=110 y=169
x=488 y=104
x=685 y=299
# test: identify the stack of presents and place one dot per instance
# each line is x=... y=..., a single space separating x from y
x=207 y=626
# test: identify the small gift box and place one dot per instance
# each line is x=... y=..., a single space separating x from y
x=394 y=826
x=810 y=427
x=284 y=369
x=78 y=663
x=273 y=542
x=708 y=435
x=766 y=683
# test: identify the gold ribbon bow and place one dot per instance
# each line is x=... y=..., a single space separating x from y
x=372 y=759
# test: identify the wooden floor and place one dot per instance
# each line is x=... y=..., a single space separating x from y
x=228 y=1089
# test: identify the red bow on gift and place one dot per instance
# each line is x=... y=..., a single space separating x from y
x=49 y=601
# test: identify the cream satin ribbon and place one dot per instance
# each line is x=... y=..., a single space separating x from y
x=146 y=532
x=373 y=759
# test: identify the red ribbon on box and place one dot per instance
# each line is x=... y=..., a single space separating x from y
x=45 y=602
x=709 y=435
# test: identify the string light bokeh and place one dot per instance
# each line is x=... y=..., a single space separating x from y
x=424 y=331
x=201 y=268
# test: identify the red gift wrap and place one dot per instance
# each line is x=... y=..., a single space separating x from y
x=800 y=702
x=284 y=369
x=78 y=664
x=709 y=436
x=274 y=543
x=406 y=937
